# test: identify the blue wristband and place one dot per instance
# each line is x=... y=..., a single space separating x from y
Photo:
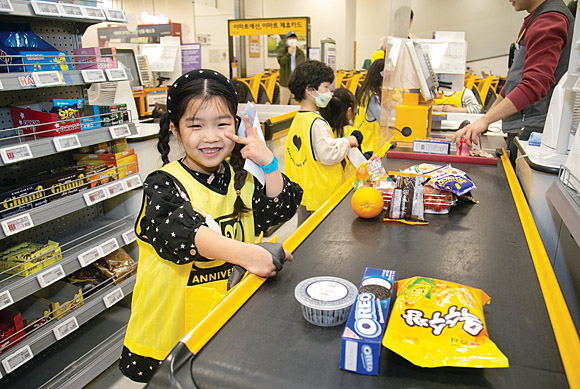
x=271 y=167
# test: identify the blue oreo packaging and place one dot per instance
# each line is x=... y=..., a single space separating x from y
x=362 y=335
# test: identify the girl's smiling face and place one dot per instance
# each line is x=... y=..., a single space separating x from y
x=201 y=131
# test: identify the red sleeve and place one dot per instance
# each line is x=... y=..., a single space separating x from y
x=544 y=40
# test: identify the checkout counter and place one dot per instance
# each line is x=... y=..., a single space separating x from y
x=490 y=245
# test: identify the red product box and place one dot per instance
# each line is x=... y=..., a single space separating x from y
x=95 y=58
x=11 y=329
x=34 y=120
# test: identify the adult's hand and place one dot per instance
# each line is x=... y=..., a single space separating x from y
x=471 y=132
x=291 y=49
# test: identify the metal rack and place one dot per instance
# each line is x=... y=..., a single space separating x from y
x=88 y=225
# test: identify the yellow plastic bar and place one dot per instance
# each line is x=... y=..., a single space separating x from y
x=284 y=116
x=562 y=324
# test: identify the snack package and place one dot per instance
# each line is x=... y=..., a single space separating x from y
x=376 y=169
x=453 y=179
x=361 y=177
x=439 y=323
x=406 y=205
x=117 y=265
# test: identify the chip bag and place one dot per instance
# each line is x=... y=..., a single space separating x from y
x=439 y=323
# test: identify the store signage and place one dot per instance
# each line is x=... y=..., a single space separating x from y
x=120 y=131
x=109 y=246
x=132 y=182
x=69 y=142
x=50 y=276
x=244 y=27
x=45 y=8
x=6 y=6
x=146 y=18
x=114 y=297
x=17 y=224
x=49 y=78
x=154 y=30
x=93 y=75
x=129 y=236
x=95 y=196
x=115 y=15
x=66 y=328
x=16 y=153
x=26 y=81
x=116 y=74
x=94 y=13
x=114 y=189
x=5 y=299
x=90 y=256
x=190 y=57
x=71 y=10
x=17 y=359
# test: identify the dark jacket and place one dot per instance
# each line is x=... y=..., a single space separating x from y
x=284 y=60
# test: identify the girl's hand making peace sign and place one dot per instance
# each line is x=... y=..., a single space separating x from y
x=254 y=147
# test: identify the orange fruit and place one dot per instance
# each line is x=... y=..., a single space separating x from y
x=367 y=202
x=362 y=172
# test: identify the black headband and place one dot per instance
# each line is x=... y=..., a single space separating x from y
x=195 y=75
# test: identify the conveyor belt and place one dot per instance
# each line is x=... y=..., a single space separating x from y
x=268 y=344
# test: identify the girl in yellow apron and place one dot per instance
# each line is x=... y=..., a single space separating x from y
x=199 y=218
x=368 y=100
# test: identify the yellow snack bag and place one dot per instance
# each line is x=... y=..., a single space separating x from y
x=439 y=323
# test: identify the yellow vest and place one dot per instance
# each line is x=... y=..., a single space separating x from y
x=369 y=130
x=318 y=181
x=170 y=299
x=454 y=99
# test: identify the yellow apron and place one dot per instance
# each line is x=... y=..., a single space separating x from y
x=318 y=181
x=170 y=299
x=369 y=130
x=453 y=100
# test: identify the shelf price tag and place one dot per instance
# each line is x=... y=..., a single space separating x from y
x=50 y=276
x=120 y=131
x=90 y=256
x=113 y=298
x=5 y=299
x=71 y=10
x=116 y=74
x=68 y=142
x=45 y=8
x=6 y=6
x=16 y=153
x=109 y=246
x=49 y=78
x=93 y=75
x=132 y=182
x=129 y=236
x=66 y=328
x=17 y=224
x=114 y=189
x=95 y=196
x=17 y=359
x=115 y=15
x=94 y=13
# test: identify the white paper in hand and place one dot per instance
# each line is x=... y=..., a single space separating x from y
x=250 y=166
x=356 y=157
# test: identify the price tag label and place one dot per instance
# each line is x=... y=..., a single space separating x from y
x=129 y=236
x=114 y=189
x=67 y=327
x=45 y=8
x=17 y=359
x=68 y=142
x=5 y=299
x=17 y=224
x=93 y=75
x=95 y=196
x=113 y=298
x=109 y=246
x=120 y=131
x=50 y=78
x=94 y=13
x=115 y=15
x=6 y=6
x=16 y=153
x=50 y=276
x=116 y=74
x=71 y=10
x=132 y=182
x=90 y=256
x=1 y=85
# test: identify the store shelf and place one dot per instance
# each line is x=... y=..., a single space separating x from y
x=24 y=9
x=91 y=239
x=67 y=205
x=44 y=337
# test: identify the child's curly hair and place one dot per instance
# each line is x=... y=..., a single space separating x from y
x=311 y=74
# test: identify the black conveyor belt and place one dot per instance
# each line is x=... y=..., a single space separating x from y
x=268 y=344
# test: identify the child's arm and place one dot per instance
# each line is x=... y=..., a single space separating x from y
x=329 y=150
x=270 y=211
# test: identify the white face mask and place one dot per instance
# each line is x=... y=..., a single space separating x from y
x=292 y=42
x=322 y=99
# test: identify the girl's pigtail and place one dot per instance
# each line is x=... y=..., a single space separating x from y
x=163 y=138
x=237 y=162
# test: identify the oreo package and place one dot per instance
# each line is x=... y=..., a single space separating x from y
x=361 y=338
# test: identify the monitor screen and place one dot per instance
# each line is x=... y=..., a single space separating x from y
x=127 y=57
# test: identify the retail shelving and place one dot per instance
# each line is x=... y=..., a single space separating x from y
x=56 y=78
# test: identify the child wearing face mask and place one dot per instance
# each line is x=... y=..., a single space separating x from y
x=312 y=153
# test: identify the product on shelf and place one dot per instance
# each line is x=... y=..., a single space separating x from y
x=86 y=278
x=111 y=147
x=11 y=329
x=27 y=258
x=32 y=119
x=95 y=58
x=20 y=46
x=118 y=265
x=64 y=181
x=16 y=199
x=58 y=300
x=125 y=161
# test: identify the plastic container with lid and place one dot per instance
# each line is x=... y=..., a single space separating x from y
x=326 y=301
